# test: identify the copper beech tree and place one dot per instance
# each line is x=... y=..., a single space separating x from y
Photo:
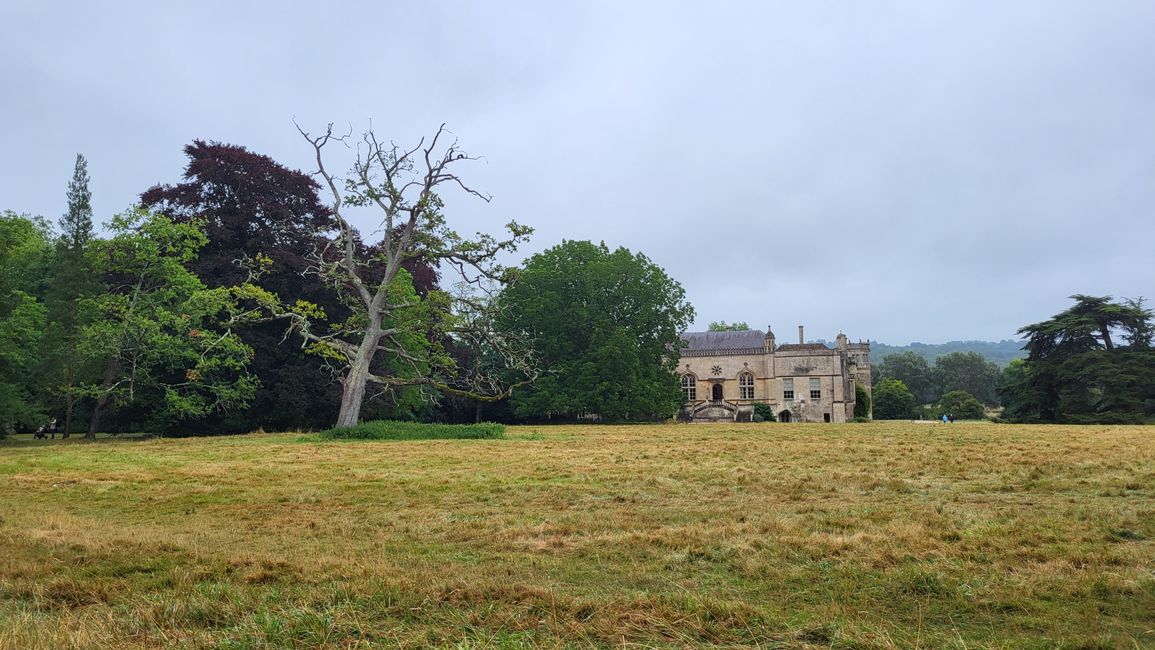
x=380 y=344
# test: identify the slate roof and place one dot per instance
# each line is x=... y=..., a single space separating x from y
x=704 y=343
x=787 y=347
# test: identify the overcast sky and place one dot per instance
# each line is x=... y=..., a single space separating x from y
x=900 y=171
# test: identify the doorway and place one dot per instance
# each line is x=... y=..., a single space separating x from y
x=717 y=393
x=784 y=416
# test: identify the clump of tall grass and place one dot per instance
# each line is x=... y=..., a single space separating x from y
x=397 y=430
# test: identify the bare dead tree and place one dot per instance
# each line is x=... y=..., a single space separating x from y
x=402 y=186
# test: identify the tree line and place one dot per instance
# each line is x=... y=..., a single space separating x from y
x=1091 y=363
x=238 y=299
x=1000 y=352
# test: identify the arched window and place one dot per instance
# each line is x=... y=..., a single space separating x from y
x=746 y=386
x=690 y=387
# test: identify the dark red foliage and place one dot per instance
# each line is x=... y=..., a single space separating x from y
x=249 y=204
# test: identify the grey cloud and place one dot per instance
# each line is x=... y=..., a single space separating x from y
x=897 y=171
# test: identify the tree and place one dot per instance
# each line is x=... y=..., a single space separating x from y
x=76 y=224
x=861 y=401
x=24 y=245
x=401 y=186
x=606 y=324
x=960 y=404
x=72 y=281
x=251 y=207
x=969 y=372
x=893 y=401
x=1020 y=402
x=912 y=370
x=765 y=412
x=157 y=330
x=723 y=326
x=1090 y=363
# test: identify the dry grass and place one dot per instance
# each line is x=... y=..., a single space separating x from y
x=886 y=535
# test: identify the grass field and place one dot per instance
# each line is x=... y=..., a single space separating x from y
x=882 y=535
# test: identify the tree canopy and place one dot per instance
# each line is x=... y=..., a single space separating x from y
x=893 y=401
x=24 y=245
x=912 y=370
x=1092 y=362
x=968 y=372
x=160 y=335
x=606 y=326
x=723 y=326
x=959 y=404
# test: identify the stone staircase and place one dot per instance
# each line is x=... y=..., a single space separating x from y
x=719 y=411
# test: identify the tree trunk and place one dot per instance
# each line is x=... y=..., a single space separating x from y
x=68 y=398
x=105 y=388
x=477 y=413
x=353 y=391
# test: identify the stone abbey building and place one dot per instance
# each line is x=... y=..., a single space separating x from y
x=724 y=374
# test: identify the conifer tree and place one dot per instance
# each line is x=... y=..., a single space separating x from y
x=71 y=280
x=76 y=224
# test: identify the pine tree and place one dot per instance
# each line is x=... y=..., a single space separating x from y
x=76 y=224
x=71 y=280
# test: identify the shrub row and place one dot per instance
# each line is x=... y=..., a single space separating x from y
x=396 y=430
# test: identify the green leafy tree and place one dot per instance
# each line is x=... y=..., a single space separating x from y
x=912 y=370
x=161 y=336
x=861 y=401
x=24 y=245
x=1090 y=363
x=969 y=372
x=605 y=325
x=893 y=401
x=723 y=326
x=959 y=404
x=412 y=321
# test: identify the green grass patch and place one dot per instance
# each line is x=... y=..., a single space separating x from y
x=396 y=430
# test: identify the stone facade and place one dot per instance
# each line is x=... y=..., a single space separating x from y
x=723 y=374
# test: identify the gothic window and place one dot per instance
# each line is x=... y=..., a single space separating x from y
x=746 y=386
x=788 y=388
x=815 y=388
x=690 y=387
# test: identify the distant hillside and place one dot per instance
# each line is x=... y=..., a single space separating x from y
x=1001 y=352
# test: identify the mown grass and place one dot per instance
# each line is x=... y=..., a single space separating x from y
x=882 y=535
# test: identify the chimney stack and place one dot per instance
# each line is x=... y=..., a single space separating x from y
x=801 y=339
